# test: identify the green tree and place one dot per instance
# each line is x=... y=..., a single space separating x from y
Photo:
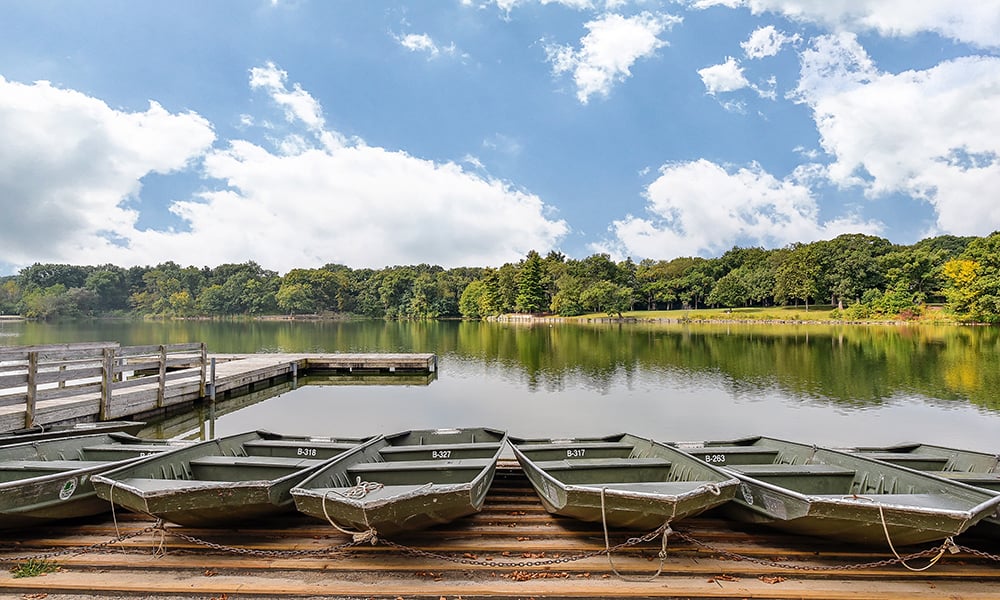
x=608 y=297
x=797 y=277
x=471 y=303
x=530 y=293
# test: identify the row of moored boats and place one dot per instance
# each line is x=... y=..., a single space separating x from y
x=391 y=484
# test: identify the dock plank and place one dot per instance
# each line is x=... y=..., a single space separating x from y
x=286 y=558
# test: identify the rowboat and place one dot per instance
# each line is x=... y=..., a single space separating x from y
x=405 y=481
x=621 y=480
x=220 y=482
x=980 y=469
x=834 y=494
x=48 y=432
x=52 y=479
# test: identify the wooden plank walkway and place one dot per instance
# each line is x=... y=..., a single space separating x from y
x=235 y=374
x=280 y=560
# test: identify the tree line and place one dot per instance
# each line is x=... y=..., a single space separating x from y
x=862 y=276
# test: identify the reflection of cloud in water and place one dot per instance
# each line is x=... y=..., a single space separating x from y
x=664 y=403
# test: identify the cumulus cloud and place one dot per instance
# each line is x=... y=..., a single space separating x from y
x=931 y=134
x=766 y=41
x=972 y=21
x=727 y=77
x=606 y=54
x=69 y=166
x=702 y=208
x=421 y=42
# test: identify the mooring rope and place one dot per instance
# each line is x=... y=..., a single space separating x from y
x=663 y=543
x=355 y=493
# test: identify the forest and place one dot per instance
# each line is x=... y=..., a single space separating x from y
x=860 y=276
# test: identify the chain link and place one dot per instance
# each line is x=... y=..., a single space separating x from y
x=525 y=563
x=70 y=551
x=946 y=545
x=263 y=553
x=979 y=553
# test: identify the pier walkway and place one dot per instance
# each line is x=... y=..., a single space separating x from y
x=41 y=385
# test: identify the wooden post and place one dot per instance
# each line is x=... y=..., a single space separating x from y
x=29 y=405
x=204 y=355
x=107 y=382
x=212 y=384
x=160 y=392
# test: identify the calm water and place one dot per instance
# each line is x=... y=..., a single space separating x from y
x=832 y=385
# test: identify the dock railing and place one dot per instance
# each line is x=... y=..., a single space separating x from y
x=32 y=374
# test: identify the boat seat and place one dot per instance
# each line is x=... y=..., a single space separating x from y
x=913 y=460
x=422 y=465
x=783 y=470
x=51 y=465
x=990 y=480
x=571 y=449
x=441 y=451
x=277 y=462
x=732 y=455
x=601 y=463
x=293 y=448
x=123 y=451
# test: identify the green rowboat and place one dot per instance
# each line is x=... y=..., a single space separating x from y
x=52 y=479
x=49 y=432
x=217 y=483
x=405 y=481
x=980 y=469
x=621 y=480
x=839 y=495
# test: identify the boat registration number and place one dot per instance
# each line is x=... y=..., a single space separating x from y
x=440 y=453
x=305 y=451
x=717 y=459
x=576 y=452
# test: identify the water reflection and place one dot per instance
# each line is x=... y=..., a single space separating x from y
x=838 y=385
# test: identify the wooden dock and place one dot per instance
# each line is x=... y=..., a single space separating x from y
x=40 y=385
x=287 y=558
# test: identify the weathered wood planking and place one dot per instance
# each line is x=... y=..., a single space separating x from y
x=178 y=377
x=512 y=527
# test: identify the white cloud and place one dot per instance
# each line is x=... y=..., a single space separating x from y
x=932 y=134
x=727 y=77
x=606 y=54
x=701 y=208
x=69 y=164
x=766 y=41
x=422 y=42
x=973 y=21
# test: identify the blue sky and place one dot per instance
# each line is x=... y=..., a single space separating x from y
x=297 y=133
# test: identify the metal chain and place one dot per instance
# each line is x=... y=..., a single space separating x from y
x=979 y=553
x=525 y=563
x=68 y=551
x=946 y=545
x=262 y=553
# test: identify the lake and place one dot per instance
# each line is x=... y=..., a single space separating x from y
x=825 y=384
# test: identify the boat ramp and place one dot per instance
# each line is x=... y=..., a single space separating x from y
x=513 y=548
